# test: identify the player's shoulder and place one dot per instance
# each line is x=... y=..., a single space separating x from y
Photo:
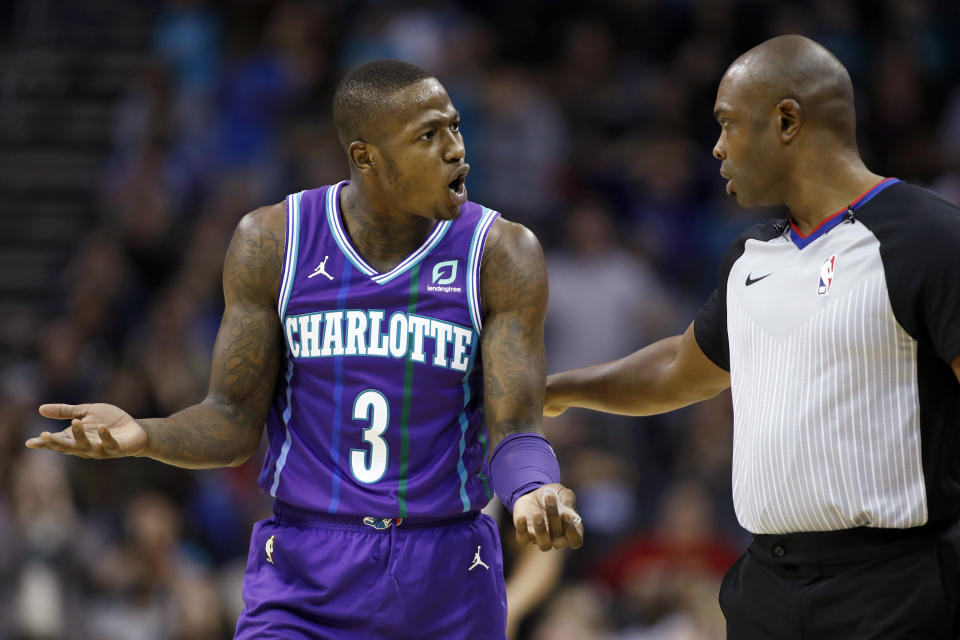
x=473 y=214
x=505 y=239
x=510 y=241
x=254 y=259
x=264 y=230
x=268 y=218
x=513 y=269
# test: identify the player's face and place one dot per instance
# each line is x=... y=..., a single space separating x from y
x=749 y=145
x=423 y=154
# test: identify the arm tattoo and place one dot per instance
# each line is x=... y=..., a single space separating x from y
x=514 y=290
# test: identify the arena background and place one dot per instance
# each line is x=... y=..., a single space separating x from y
x=135 y=134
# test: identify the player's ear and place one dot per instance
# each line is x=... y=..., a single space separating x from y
x=362 y=155
x=789 y=119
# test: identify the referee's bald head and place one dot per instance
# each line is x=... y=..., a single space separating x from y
x=795 y=67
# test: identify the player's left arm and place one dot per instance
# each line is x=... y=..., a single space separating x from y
x=956 y=367
x=513 y=289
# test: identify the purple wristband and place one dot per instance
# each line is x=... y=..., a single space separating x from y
x=520 y=463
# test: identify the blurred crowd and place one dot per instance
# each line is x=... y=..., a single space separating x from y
x=588 y=122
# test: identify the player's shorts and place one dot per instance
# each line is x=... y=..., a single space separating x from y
x=333 y=577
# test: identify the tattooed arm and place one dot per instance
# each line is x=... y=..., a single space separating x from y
x=513 y=289
x=225 y=428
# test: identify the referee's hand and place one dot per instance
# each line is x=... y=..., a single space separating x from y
x=548 y=518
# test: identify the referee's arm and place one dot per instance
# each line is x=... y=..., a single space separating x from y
x=661 y=377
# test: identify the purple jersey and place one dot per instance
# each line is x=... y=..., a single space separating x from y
x=379 y=409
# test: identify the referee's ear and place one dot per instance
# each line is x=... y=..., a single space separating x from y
x=789 y=117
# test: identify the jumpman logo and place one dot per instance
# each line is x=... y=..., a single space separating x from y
x=269 y=547
x=478 y=562
x=320 y=269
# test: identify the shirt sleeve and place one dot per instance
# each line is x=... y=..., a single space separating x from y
x=920 y=249
x=710 y=328
x=939 y=296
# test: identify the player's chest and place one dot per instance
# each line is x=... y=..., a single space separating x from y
x=378 y=326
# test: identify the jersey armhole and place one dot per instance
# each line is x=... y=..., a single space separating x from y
x=290 y=250
x=474 y=260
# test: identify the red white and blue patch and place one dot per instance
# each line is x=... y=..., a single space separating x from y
x=827 y=271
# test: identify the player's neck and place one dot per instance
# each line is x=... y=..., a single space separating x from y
x=382 y=239
x=826 y=186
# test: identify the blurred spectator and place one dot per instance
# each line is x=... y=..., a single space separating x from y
x=145 y=580
x=600 y=290
x=518 y=159
x=578 y=612
x=175 y=359
x=661 y=575
x=947 y=184
x=46 y=554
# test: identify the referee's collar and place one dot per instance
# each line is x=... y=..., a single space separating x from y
x=836 y=218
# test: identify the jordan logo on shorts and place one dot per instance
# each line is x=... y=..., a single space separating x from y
x=268 y=548
x=477 y=562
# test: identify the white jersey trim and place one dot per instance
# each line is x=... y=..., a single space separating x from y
x=474 y=259
x=291 y=250
x=343 y=241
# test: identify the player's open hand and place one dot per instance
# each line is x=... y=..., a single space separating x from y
x=95 y=431
x=548 y=518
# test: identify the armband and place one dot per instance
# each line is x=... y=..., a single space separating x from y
x=520 y=463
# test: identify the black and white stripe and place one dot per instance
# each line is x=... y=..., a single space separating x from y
x=840 y=453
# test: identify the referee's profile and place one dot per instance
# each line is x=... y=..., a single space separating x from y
x=838 y=331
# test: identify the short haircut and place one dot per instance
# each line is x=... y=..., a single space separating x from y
x=362 y=98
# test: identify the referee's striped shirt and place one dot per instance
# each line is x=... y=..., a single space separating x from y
x=839 y=344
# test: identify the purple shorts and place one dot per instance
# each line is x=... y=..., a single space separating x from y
x=320 y=577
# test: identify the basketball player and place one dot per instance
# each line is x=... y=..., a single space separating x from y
x=838 y=330
x=389 y=333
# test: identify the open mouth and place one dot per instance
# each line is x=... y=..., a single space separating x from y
x=458 y=189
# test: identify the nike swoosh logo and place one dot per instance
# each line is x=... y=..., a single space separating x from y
x=751 y=281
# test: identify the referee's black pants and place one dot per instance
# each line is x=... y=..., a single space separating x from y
x=846 y=585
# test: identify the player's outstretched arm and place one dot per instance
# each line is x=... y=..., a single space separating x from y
x=225 y=428
x=661 y=377
x=513 y=287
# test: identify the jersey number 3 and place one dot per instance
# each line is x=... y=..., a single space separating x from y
x=369 y=466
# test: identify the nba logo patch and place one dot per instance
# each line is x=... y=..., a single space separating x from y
x=827 y=269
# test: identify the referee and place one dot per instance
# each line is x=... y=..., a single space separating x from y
x=838 y=329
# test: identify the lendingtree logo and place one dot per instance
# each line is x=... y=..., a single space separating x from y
x=444 y=274
x=439 y=278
